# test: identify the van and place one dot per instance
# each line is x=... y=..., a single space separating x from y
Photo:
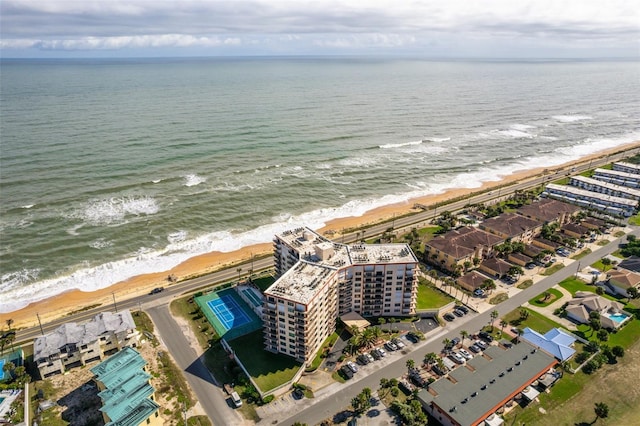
x=236 y=399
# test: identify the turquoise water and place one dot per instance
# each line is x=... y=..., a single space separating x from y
x=115 y=168
x=618 y=317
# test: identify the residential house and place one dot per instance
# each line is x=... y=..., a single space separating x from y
x=555 y=342
x=631 y=263
x=512 y=226
x=574 y=230
x=519 y=259
x=474 y=394
x=495 y=267
x=630 y=180
x=471 y=280
x=602 y=187
x=453 y=249
x=532 y=250
x=73 y=345
x=611 y=314
x=594 y=223
x=127 y=396
x=548 y=210
x=620 y=280
x=545 y=244
x=593 y=200
x=622 y=166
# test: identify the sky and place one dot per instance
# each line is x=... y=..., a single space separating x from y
x=419 y=28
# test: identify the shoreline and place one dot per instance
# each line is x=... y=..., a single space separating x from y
x=62 y=304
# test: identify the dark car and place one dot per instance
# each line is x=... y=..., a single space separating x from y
x=485 y=336
x=458 y=312
x=449 y=317
x=463 y=309
x=346 y=372
x=363 y=360
x=157 y=290
x=412 y=338
x=375 y=355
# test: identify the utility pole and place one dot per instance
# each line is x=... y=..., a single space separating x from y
x=184 y=411
x=115 y=306
x=40 y=324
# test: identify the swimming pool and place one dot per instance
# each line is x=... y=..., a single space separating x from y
x=620 y=317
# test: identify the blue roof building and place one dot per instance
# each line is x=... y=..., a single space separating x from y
x=127 y=397
x=555 y=342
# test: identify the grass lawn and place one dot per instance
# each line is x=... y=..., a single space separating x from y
x=264 y=282
x=582 y=254
x=536 y=321
x=525 y=284
x=430 y=297
x=634 y=220
x=552 y=270
x=328 y=343
x=429 y=232
x=573 y=285
x=541 y=301
x=603 y=242
x=267 y=369
x=498 y=298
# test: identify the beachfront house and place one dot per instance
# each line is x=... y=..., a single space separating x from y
x=548 y=211
x=74 y=345
x=607 y=188
x=608 y=204
x=127 y=396
x=453 y=249
x=622 y=166
x=630 y=180
x=513 y=227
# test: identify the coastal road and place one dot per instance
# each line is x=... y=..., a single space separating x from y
x=404 y=222
x=201 y=381
x=314 y=412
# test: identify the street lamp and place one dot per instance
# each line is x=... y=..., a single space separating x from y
x=115 y=306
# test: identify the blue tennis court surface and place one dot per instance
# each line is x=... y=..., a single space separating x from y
x=228 y=312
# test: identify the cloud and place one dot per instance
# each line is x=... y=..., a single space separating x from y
x=323 y=24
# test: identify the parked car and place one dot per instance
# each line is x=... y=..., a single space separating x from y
x=375 y=354
x=455 y=341
x=157 y=290
x=412 y=338
x=352 y=366
x=458 y=313
x=398 y=343
x=465 y=354
x=481 y=344
x=463 y=309
x=456 y=357
x=475 y=348
x=382 y=352
x=363 y=359
x=530 y=265
x=346 y=371
x=391 y=346
x=449 y=317
x=485 y=336
x=478 y=292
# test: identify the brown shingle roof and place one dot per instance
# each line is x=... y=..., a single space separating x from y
x=471 y=280
x=497 y=265
x=547 y=210
x=510 y=224
x=576 y=229
x=462 y=242
x=623 y=278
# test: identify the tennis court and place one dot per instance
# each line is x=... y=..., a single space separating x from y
x=228 y=314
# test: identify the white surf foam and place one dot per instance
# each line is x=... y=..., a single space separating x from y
x=177 y=237
x=156 y=181
x=437 y=140
x=571 y=118
x=522 y=127
x=115 y=210
x=20 y=288
x=27 y=206
x=515 y=134
x=193 y=180
x=101 y=243
x=399 y=145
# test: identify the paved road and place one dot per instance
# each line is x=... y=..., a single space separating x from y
x=201 y=381
x=339 y=396
x=406 y=222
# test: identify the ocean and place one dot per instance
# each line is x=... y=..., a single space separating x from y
x=115 y=168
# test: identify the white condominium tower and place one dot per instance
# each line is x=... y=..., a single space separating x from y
x=319 y=280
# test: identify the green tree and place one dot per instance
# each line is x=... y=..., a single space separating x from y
x=606 y=263
x=618 y=351
x=464 y=334
x=431 y=358
x=603 y=335
x=494 y=315
x=632 y=293
x=411 y=364
x=602 y=411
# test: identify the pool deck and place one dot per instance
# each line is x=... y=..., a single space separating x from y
x=9 y=396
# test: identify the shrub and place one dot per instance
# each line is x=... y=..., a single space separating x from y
x=267 y=399
x=618 y=351
x=395 y=391
x=581 y=357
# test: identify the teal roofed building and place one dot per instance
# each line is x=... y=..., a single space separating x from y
x=127 y=396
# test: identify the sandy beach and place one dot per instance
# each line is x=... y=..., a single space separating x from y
x=62 y=304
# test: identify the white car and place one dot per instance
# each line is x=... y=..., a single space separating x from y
x=456 y=357
x=352 y=367
x=381 y=352
x=391 y=346
x=465 y=354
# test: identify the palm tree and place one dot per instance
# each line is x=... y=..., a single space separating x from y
x=494 y=315
x=446 y=342
x=431 y=358
x=411 y=364
x=239 y=270
x=503 y=324
x=602 y=411
x=464 y=334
